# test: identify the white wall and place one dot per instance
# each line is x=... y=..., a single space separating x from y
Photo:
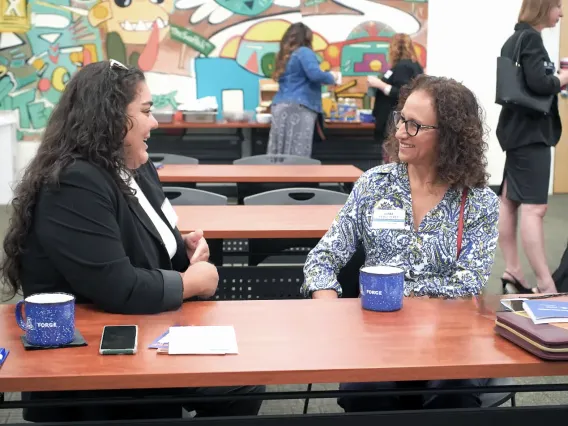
x=8 y=122
x=464 y=39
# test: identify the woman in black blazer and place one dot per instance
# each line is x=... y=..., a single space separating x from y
x=526 y=137
x=404 y=67
x=90 y=219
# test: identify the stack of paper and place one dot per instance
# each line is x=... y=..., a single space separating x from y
x=200 y=340
x=546 y=311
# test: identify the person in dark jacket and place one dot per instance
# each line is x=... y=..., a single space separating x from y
x=90 y=219
x=404 y=67
x=526 y=136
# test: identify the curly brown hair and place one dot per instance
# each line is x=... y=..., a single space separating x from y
x=461 y=131
x=401 y=47
x=297 y=35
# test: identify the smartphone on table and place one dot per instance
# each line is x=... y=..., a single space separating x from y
x=119 y=340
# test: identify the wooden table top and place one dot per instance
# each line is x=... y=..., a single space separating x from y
x=230 y=173
x=255 y=125
x=280 y=342
x=257 y=221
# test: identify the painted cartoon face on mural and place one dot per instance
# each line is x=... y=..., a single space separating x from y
x=190 y=48
x=136 y=21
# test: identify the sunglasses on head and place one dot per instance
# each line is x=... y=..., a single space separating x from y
x=114 y=64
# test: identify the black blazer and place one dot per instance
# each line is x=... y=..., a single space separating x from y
x=520 y=127
x=89 y=240
x=401 y=74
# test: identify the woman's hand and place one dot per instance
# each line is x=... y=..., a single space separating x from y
x=200 y=279
x=196 y=247
x=563 y=77
x=376 y=82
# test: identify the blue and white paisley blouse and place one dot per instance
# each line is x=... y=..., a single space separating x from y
x=428 y=255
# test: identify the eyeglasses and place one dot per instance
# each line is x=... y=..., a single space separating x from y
x=114 y=64
x=411 y=126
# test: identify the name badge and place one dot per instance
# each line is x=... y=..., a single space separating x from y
x=388 y=219
x=387 y=74
x=170 y=213
x=549 y=67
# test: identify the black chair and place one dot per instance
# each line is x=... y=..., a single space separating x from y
x=179 y=196
x=259 y=283
x=165 y=158
x=294 y=249
x=276 y=159
x=246 y=189
x=296 y=196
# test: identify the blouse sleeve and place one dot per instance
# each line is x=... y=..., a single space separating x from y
x=337 y=246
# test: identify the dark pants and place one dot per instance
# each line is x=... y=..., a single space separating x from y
x=142 y=411
x=409 y=402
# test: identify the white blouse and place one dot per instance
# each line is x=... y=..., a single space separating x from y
x=167 y=235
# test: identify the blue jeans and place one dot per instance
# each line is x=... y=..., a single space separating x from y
x=409 y=402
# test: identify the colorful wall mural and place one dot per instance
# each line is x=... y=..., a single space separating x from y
x=189 y=48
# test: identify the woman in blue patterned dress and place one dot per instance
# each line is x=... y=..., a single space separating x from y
x=437 y=144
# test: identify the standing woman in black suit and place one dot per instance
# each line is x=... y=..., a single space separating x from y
x=526 y=136
x=404 y=67
x=90 y=219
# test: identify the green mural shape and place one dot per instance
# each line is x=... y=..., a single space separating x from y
x=163 y=101
x=115 y=47
x=310 y=3
x=246 y=7
x=267 y=64
x=194 y=40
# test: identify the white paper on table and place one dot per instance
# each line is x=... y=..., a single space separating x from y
x=202 y=340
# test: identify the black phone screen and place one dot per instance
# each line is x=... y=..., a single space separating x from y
x=119 y=337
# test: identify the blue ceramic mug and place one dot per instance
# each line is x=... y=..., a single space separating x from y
x=49 y=318
x=381 y=288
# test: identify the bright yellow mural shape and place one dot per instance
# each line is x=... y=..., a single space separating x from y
x=59 y=78
x=333 y=51
x=14 y=16
x=134 y=22
x=231 y=48
x=318 y=43
x=267 y=31
x=376 y=65
x=325 y=66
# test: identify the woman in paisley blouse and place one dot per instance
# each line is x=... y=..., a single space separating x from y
x=437 y=144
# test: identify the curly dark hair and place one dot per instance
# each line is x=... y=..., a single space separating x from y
x=461 y=131
x=89 y=122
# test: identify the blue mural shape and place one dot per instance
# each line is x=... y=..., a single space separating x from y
x=215 y=75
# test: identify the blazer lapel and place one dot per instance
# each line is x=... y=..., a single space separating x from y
x=153 y=193
x=138 y=210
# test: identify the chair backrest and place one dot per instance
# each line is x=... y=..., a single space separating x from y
x=163 y=158
x=296 y=196
x=278 y=159
x=193 y=197
x=259 y=283
x=497 y=399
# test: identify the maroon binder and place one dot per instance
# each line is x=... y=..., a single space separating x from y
x=546 y=341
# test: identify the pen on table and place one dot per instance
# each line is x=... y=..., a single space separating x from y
x=3 y=355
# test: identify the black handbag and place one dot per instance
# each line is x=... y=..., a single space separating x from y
x=512 y=89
